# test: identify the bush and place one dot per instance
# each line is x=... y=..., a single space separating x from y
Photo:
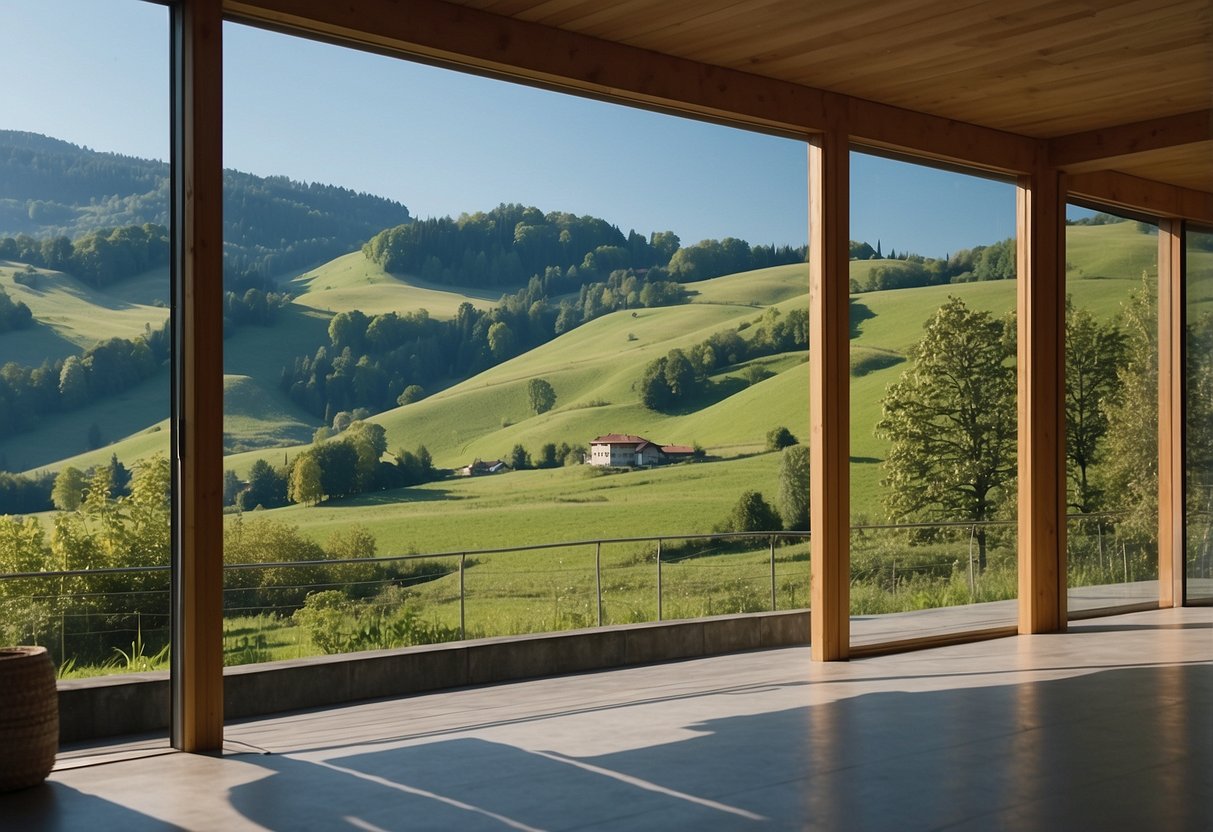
x=780 y=438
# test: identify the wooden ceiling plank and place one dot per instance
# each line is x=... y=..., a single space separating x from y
x=468 y=38
x=1121 y=190
x=1100 y=149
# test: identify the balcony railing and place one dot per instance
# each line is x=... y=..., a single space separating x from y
x=115 y=619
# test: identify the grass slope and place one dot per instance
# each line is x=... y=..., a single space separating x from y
x=353 y=282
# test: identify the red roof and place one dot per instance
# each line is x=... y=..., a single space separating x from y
x=677 y=449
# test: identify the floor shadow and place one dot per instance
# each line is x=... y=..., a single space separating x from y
x=1086 y=751
x=53 y=806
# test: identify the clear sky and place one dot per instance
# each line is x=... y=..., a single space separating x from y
x=93 y=72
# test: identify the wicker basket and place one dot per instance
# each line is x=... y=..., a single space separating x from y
x=29 y=716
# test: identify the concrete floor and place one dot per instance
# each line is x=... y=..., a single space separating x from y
x=1109 y=726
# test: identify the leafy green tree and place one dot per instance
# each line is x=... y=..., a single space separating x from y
x=231 y=487
x=541 y=395
x=1095 y=357
x=780 y=438
x=369 y=441
x=411 y=393
x=547 y=456
x=267 y=487
x=794 y=487
x=680 y=375
x=68 y=491
x=338 y=463
x=501 y=340
x=655 y=391
x=1130 y=472
x=519 y=458
x=951 y=422
x=305 y=484
x=753 y=514
x=73 y=383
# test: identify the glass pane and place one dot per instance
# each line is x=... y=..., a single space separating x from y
x=84 y=347
x=1199 y=415
x=508 y=324
x=933 y=402
x=1111 y=410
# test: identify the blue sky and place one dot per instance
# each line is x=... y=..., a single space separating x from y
x=443 y=142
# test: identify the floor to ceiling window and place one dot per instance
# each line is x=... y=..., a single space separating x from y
x=463 y=316
x=1198 y=402
x=84 y=334
x=933 y=401
x=1111 y=410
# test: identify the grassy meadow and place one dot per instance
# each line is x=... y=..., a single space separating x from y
x=594 y=370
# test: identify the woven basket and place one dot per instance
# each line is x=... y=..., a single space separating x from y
x=29 y=716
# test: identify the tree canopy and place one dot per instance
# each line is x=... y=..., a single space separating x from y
x=951 y=421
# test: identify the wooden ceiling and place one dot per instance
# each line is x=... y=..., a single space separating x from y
x=1103 y=85
x=1039 y=68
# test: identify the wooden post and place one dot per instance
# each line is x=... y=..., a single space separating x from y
x=1040 y=247
x=829 y=394
x=197 y=208
x=1171 y=566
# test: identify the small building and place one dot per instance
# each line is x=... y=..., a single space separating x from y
x=625 y=450
x=481 y=467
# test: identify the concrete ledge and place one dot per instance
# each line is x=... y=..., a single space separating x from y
x=139 y=703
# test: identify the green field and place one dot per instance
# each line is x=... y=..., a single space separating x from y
x=594 y=370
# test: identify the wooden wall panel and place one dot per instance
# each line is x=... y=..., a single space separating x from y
x=197 y=653
x=829 y=395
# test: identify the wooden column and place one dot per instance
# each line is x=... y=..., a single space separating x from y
x=829 y=394
x=197 y=183
x=1040 y=230
x=1171 y=568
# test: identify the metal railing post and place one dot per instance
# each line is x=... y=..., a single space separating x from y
x=463 y=634
x=598 y=578
x=772 y=573
x=659 y=579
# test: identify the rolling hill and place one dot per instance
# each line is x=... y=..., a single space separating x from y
x=593 y=368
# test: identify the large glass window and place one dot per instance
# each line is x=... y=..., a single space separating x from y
x=1198 y=349
x=84 y=346
x=933 y=402
x=1111 y=410
x=467 y=316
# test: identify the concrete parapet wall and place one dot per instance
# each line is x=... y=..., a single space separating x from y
x=139 y=703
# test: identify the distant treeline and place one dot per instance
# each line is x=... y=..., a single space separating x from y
x=51 y=188
x=906 y=271
x=343 y=466
x=13 y=314
x=101 y=258
x=511 y=243
x=381 y=361
x=680 y=376
x=27 y=395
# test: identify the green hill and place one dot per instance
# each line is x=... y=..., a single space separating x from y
x=593 y=368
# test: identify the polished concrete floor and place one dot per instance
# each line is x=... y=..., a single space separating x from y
x=1109 y=726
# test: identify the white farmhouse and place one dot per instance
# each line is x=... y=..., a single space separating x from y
x=625 y=450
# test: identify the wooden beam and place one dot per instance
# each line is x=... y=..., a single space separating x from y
x=941 y=139
x=1124 y=191
x=829 y=395
x=197 y=180
x=520 y=50
x=1171 y=567
x=1102 y=149
x=1041 y=288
